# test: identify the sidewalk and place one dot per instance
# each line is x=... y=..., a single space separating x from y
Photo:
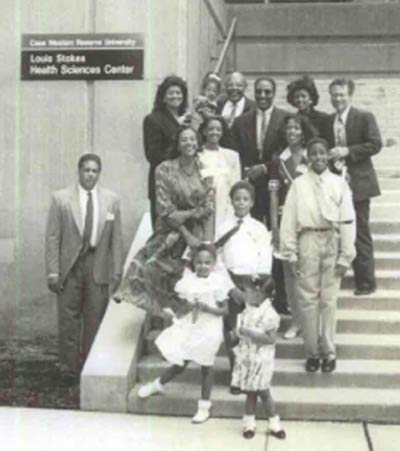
x=38 y=429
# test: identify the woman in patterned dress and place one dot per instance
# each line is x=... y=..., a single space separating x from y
x=184 y=208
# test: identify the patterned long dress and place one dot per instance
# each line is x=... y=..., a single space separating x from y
x=154 y=271
x=254 y=363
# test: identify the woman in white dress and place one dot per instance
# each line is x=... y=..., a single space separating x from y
x=220 y=167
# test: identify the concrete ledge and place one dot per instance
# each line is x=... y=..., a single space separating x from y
x=110 y=370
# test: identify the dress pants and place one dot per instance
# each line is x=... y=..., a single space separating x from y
x=280 y=302
x=318 y=287
x=81 y=307
x=363 y=264
x=291 y=293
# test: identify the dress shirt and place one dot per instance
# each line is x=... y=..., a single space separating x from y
x=83 y=197
x=340 y=128
x=249 y=250
x=318 y=202
x=259 y=125
x=229 y=106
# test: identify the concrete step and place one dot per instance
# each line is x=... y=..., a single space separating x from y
x=385 y=210
x=362 y=321
x=388 y=195
x=389 y=182
x=380 y=300
x=290 y=372
x=349 y=346
x=387 y=242
x=387 y=260
x=384 y=225
x=337 y=403
x=388 y=279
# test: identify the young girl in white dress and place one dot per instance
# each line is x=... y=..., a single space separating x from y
x=198 y=335
x=257 y=328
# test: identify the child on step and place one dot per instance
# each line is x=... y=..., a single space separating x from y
x=257 y=327
x=197 y=336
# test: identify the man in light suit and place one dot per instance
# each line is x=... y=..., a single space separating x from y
x=83 y=250
x=354 y=138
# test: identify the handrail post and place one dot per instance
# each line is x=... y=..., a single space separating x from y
x=226 y=45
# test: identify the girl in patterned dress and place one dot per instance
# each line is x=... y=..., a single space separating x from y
x=254 y=357
x=198 y=335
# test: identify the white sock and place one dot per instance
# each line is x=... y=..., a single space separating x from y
x=249 y=421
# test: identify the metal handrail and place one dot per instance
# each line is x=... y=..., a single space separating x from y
x=226 y=45
x=227 y=36
x=215 y=18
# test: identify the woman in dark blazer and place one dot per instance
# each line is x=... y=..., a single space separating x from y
x=303 y=95
x=161 y=126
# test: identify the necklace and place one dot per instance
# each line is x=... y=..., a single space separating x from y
x=185 y=171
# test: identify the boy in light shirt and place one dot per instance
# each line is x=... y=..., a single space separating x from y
x=246 y=252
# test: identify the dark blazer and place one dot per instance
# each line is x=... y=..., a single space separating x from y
x=317 y=119
x=363 y=140
x=243 y=139
x=248 y=105
x=159 y=130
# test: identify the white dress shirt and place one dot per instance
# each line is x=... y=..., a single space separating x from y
x=249 y=250
x=229 y=106
x=83 y=197
x=259 y=125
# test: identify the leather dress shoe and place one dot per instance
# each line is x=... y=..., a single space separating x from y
x=328 y=365
x=312 y=365
x=364 y=291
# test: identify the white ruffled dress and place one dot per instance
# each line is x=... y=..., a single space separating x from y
x=196 y=337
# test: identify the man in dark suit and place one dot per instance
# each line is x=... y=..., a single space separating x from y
x=354 y=137
x=83 y=249
x=257 y=136
x=235 y=104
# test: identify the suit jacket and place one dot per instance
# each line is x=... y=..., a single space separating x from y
x=249 y=105
x=243 y=138
x=363 y=140
x=65 y=231
x=159 y=130
x=317 y=119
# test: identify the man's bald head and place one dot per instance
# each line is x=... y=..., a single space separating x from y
x=235 y=86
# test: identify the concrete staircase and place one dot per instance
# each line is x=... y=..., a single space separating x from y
x=285 y=40
x=366 y=384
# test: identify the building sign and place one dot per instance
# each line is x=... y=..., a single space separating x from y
x=82 y=56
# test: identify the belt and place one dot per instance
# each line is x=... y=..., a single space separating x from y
x=317 y=229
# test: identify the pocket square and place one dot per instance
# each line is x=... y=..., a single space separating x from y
x=110 y=216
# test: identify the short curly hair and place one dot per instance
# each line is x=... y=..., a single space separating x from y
x=305 y=82
x=171 y=80
x=173 y=151
x=214 y=117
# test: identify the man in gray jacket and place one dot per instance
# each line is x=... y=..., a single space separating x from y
x=83 y=248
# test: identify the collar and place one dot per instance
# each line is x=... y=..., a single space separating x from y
x=344 y=115
x=321 y=177
x=287 y=154
x=238 y=104
x=83 y=192
x=244 y=219
x=268 y=111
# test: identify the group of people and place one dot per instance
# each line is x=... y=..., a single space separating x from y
x=254 y=210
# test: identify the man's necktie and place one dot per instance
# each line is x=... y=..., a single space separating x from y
x=340 y=132
x=232 y=116
x=87 y=231
x=263 y=132
x=228 y=235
